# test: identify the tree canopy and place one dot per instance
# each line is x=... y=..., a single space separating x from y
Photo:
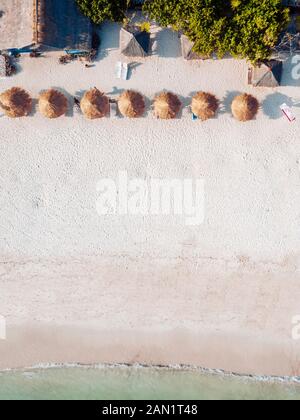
x=244 y=28
x=100 y=10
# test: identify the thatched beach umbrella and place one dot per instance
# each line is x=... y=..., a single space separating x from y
x=167 y=106
x=94 y=104
x=204 y=105
x=131 y=104
x=53 y=104
x=245 y=107
x=16 y=102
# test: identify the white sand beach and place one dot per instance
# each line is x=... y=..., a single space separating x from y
x=77 y=287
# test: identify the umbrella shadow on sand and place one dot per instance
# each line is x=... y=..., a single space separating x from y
x=132 y=68
x=271 y=105
x=35 y=103
x=225 y=105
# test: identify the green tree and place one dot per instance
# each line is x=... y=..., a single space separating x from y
x=208 y=25
x=100 y=10
x=244 y=28
x=255 y=28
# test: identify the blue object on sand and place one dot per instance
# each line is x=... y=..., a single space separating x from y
x=194 y=117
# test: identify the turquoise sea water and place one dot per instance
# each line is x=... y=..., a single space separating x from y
x=137 y=383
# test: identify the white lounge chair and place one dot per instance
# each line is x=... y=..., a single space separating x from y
x=122 y=70
x=125 y=71
x=119 y=67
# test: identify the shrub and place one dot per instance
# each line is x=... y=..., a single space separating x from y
x=100 y=10
x=244 y=28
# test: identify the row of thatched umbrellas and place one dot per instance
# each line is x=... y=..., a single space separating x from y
x=16 y=102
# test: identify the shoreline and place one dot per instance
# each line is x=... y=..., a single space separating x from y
x=46 y=345
x=288 y=380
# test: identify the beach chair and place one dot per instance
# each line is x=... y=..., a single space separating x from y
x=119 y=67
x=122 y=70
x=287 y=112
x=125 y=71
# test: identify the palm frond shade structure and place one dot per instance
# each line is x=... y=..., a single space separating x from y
x=94 y=104
x=134 y=43
x=204 y=105
x=131 y=104
x=16 y=102
x=245 y=107
x=53 y=104
x=187 y=50
x=266 y=74
x=167 y=106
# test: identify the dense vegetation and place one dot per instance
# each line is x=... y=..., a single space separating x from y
x=100 y=10
x=244 y=28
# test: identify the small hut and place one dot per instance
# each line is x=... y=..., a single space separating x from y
x=245 y=107
x=53 y=104
x=131 y=104
x=94 y=104
x=134 y=42
x=266 y=74
x=54 y=24
x=16 y=102
x=204 y=105
x=167 y=106
x=187 y=49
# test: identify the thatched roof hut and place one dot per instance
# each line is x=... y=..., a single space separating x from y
x=59 y=24
x=53 y=104
x=204 y=105
x=56 y=24
x=94 y=104
x=16 y=102
x=187 y=49
x=131 y=104
x=266 y=74
x=134 y=43
x=245 y=107
x=167 y=106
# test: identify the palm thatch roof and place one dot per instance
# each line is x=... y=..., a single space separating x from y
x=57 y=24
x=245 y=107
x=134 y=43
x=94 y=104
x=204 y=105
x=131 y=104
x=187 y=49
x=266 y=74
x=167 y=106
x=53 y=104
x=16 y=102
